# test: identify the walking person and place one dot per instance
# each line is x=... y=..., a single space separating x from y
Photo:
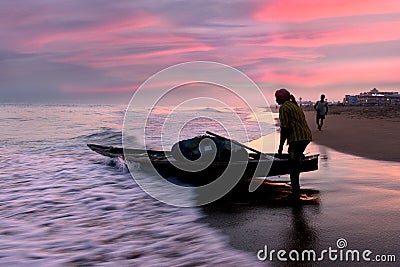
x=295 y=131
x=321 y=107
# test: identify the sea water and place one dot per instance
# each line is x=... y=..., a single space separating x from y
x=63 y=204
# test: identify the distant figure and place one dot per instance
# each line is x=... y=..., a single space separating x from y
x=295 y=130
x=321 y=107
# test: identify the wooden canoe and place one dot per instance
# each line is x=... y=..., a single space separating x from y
x=257 y=165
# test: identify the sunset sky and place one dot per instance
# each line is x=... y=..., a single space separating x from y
x=102 y=50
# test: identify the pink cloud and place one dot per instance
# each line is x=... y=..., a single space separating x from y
x=97 y=89
x=302 y=54
x=348 y=72
x=101 y=33
x=109 y=60
x=305 y=10
x=114 y=41
x=356 y=33
x=369 y=71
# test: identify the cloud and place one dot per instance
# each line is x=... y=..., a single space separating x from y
x=25 y=77
x=345 y=34
x=307 y=10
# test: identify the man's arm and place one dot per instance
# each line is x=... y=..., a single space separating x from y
x=326 y=112
x=284 y=136
x=284 y=122
x=315 y=105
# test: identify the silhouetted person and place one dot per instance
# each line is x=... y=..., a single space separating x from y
x=295 y=130
x=321 y=107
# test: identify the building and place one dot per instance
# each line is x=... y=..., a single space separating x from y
x=306 y=103
x=373 y=98
x=350 y=100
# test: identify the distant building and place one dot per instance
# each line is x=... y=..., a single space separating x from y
x=373 y=98
x=350 y=100
x=307 y=103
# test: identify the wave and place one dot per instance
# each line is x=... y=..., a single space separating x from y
x=106 y=136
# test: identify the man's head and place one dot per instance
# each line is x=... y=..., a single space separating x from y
x=282 y=95
x=322 y=97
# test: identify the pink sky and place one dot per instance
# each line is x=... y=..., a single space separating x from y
x=102 y=50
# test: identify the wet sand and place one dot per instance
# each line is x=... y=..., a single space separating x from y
x=355 y=198
x=366 y=132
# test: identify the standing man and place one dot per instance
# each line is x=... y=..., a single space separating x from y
x=321 y=107
x=295 y=131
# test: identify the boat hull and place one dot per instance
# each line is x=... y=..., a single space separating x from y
x=166 y=165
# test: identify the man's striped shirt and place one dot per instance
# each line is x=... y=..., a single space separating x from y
x=292 y=117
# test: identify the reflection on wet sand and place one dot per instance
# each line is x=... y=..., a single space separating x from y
x=301 y=236
x=271 y=193
x=248 y=220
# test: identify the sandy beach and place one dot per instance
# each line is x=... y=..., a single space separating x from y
x=370 y=132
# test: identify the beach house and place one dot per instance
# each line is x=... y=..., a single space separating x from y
x=373 y=98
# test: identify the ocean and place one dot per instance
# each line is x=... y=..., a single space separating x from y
x=61 y=204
